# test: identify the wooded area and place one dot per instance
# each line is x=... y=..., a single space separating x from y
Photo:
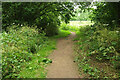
x=30 y=31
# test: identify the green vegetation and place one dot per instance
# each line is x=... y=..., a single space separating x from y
x=36 y=67
x=20 y=46
x=30 y=31
x=45 y=15
x=97 y=46
x=98 y=51
x=74 y=26
x=106 y=13
x=25 y=51
x=61 y=34
x=68 y=27
x=81 y=15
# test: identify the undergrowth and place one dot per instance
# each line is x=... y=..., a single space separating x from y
x=61 y=34
x=25 y=51
x=98 y=51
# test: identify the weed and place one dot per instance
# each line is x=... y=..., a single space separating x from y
x=99 y=44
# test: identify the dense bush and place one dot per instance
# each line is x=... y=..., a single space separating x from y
x=107 y=43
x=100 y=44
x=81 y=16
x=106 y=13
x=18 y=46
x=51 y=29
x=40 y=14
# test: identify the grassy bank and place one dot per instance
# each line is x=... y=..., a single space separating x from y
x=98 y=52
x=25 y=51
x=36 y=67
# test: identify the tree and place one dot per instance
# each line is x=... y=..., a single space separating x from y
x=37 y=14
x=106 y=13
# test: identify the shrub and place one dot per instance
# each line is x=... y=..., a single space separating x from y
x=18 y=46
x=107 y=44
x=51 y=30
x=100 y=43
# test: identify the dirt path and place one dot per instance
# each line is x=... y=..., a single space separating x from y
x=63 y=57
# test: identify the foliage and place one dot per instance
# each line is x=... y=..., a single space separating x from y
x=24 y=50
x=105 y=42
x=101 y=44
x=36 y=67
x=18 y=46
x=44 y=15
x=81 y=16
x=106 y=13
x=102 y=12
x=26 y=45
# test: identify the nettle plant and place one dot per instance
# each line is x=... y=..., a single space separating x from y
x=18 y=46
x=107 y=44
x=101 y=43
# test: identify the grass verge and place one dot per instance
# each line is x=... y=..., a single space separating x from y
x=97 y=52
x=36 y=67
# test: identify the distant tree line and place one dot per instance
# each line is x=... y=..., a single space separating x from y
x=47 y=16
x=81 y=15
x=104 y=13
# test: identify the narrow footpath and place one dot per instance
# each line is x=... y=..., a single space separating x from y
x=63 y=65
